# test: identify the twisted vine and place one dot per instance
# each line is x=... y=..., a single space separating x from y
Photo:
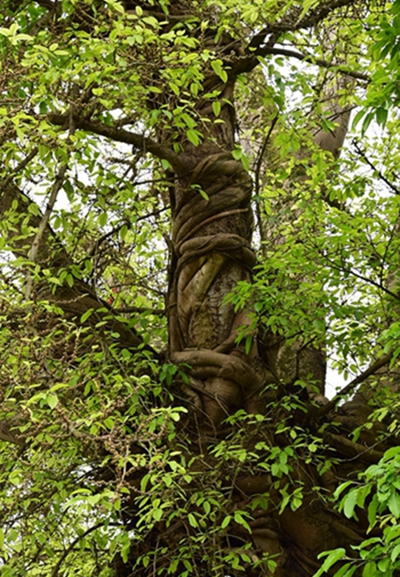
x=211 y=242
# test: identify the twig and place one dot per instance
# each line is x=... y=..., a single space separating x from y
x=358 y=275
x=56 y=568
x=373 y=167
x=293 y=22
x=261 y=154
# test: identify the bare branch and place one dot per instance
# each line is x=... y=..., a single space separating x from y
x=353 y=450
x=156 y=312
x=261 y=155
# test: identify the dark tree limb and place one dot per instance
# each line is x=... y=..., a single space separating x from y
x=139 y=141
x=294 y=20
x=348 y=389
x=74 y=543
x=310 y=58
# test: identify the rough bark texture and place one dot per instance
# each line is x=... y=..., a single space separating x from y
x=211 y=241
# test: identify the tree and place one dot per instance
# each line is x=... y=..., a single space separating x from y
x=163 y=376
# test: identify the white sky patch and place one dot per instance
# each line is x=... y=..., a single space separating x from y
x=334 y=382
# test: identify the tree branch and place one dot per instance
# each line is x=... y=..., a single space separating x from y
x=321 y=411
x=263 y=43
x=272 y=50
x=73 y=544
x=353 y=450
x=139 y=141
x=156 y=312
x=261 y=155
x=381 y=176
x=44 y=223
x=293 y=21
x=19 y=168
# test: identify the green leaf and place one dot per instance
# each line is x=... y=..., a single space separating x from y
x=331 y=558
x=395 y=552
x=238 y=517
x=237 y=153
x=370 y=570
x=342 y=487
x=307 y=5
x=248 y=344
x=52 y=400
x=346 y=570
x=360 y=114
x=125 y=551
x=350 y=501
x=319 y=324
x=369 y=117
x=381 y=116
x=393 y=452
x=372 y=509
x=226 y=521
x=165 y=164
x=217 y=66
x=216 y=107
x=192 y=520
x=86 y=315
x=103 y=217
x=394 y=504
x=193 y=137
